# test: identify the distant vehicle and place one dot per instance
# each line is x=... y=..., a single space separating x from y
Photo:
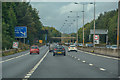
x=80 y=44
x=59 y=50
x=48 y=44
x=89 y=45
x=51 y=47
x=34 y=49
x=114 y=47
x=108 y=46
x=72 y=48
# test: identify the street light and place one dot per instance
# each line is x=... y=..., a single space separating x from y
x=118 y=25
x=76 y=25
x=94 y=21
x=83 y=19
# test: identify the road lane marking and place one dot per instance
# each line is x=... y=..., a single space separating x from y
x=83 y=61
x=27 y=76
x=102 y=69
x=14 y=58
x=36 y=66
x=78 y=59
x=91 y=64
x=100 y=55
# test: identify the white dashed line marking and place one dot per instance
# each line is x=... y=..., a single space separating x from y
x=83 y=61
x=78 y=59
x=36 y=66
x=102 y=69
x=91 y=64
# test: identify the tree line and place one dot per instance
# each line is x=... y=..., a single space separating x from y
x=107 y=20
x=22 y=14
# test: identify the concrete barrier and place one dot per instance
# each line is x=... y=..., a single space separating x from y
x=102 y=51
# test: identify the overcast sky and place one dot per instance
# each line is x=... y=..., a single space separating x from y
x=54 y=14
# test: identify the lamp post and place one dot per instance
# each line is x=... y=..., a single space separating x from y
x=76 y=26
x=118 y=25
x=94 y=21
x=83 y=19
x=83 y=22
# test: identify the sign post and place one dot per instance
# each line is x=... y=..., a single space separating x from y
x=96 y=39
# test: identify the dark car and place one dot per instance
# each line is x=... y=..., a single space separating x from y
x=34 y=49
x=59 y=50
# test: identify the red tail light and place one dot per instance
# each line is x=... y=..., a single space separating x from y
x=75 y=47
x=63 y=49
x=68 y=47
x=55 y=49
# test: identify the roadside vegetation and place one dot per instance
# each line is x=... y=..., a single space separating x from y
x=106 y=20
x=22 y=14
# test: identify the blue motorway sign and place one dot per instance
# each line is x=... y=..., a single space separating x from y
x=20 y=32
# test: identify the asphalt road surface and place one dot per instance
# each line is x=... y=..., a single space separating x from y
x=74 y=65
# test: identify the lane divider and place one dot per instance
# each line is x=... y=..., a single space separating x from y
x=14 y=58
x=83 y=61
x=100 y=55
x=102 y=69
x=92 y=65
x=35 y=67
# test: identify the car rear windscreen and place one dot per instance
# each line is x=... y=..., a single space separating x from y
x=72 y=46
x=34 y=47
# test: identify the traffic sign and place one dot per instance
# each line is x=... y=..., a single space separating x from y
x=15 y=44
x=40 y=41
x=21 y=32
x=96 y=37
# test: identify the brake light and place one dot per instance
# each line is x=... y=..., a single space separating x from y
x=68 y=47
x=63 y=49
x=75 y=47
x=55 y=49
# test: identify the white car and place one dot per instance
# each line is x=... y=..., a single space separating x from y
x=114 y=47
x=72 y=48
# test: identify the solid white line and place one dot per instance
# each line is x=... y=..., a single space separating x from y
x=36 y=66
x=14 y=58
x=100 y=55
x=26 y=76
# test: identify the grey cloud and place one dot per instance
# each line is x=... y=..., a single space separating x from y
x=55 y=13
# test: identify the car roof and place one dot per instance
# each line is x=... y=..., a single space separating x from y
x=34 y=46
x=72 y=45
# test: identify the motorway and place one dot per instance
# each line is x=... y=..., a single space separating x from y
x=74 y=65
